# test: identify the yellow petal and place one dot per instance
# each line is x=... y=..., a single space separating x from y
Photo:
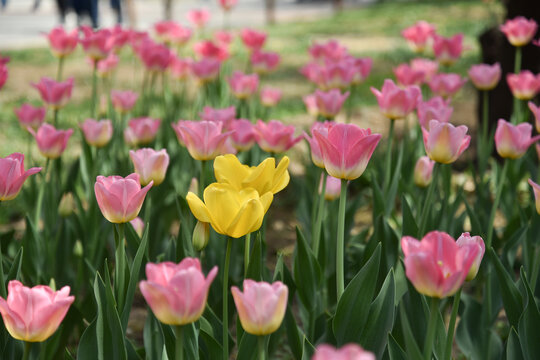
x=223 y=202
x=228 y=169
x=248 y=219
x=281 y=176
x=261 y=177
x=266 y=200
x=198 y=208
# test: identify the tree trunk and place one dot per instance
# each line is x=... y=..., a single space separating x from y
x=270 y=11
x=167 y=9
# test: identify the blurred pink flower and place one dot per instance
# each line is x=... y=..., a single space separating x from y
x=242 y=135
x=151 y=165
x=210 y=49
x=54 y=94
x=536 y=112
x=429 y=67
x=275 y=137
x=346 y=352
x=446 y=84
x=227 y=5
x=406 y=75
x=123 y=101
x=253 y=40
x=423 y=171
x=448 y=50
x=198 y=17
x=270 y=96
x=204 y=140
x=536 y=190
x=397 y=103
x=418 y=35
x=51 y=142
x=141 y=131
x=512 y=141
x=329 y=103
x=485 y=76
x=466 y=240
x=444 y=142
x=61 y=42
x=30 y=116
x=13 y=175
x=96 y=44
x=223 y=115
x=435 y=108
x=264 y=62
x=519 y=31
x=206 y=69
x=243 y=85
x=97 y=133
x=524 y=85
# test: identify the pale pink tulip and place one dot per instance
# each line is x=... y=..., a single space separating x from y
x=418 y=35
x=444 y=142
x=536 y=112
x=524 y=85
x=97 y=133
x=346 y=149
x=437 y=266
x=204 y=139
x=467 y=240
x=275 y=137
x=120 y=199
x=446 y=84
x=485 y=76
x=362 y=67
x=406 y=75
x=429 y=67
x=106 y=66
x=210 y=49
x=198 y=17
x=337 y=75
x=171 y=32
x=536 y=190
x=155 y=57
x=34 y=314
x=180 y=68
x=61 y=42
x=227 y=5
x=264 y=62
x=243 y=85
x=331 y=50
x=253 y=39
x=119 y=37
x=151 y=165
x=512 y=141
x=206 y=69
x=316 y=154
x=242 y=135
x=30 y=116
x=346 y=352
x=96 y=44
x=224 y=115
x=177 y=293
x=519 y=31
x=138 y=226
x=54 y=94
x=51 y=142
x=270 y=96
x=332 y=189
x=329 y=103
x=13 y=175
x=397 y=103
x=448 y=50
x=223 y=38
x=311 y=104
x=423 y=171
x=123 y=101
x=261 y=307
x=435 y=108
x=141 y=131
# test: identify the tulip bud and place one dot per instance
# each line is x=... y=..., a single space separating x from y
x=476 y=241
x=52 y=284
x=194 y=186
x=333 y=188
x=138 y=226
x=67 y=205
x=78 y=249
x=423 y=171
x=201 y=234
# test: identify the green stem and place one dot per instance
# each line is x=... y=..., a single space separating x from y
x=388 y=171
x=40 y=195
x=483 y=148
x=452 y=326
x=517 y=60
x=247 y=246
x=60 y=68
x=120 y=270
x=26 y=354
x=262 y=348
x=201 y=178
x=340 y=278
x=225 y=313
x=500 y=185
x=179 y=346
x=430 y=335
x=320 y=213
x=55 y=117
x=429 y=201
x=94 y=90
x=535 y=269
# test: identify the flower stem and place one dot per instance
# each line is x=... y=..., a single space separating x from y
x=119 y=273
x=429 y=201
x=60 y=68
x=94 y=90
x=201 y=178
x=247 y=246
x=498 y=194
x=225 y=300
x=26 y=354
x=340 y=278
x=452 y=326
x=483 y=147
x=179 y=346
x=430 y=335
x=320 y=213
x=262 y=348
x=388 y=170
x=55 y=117
x=40 y=195
x=517 y=60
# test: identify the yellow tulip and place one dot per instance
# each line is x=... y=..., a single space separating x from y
x=265 y=177
x=230 y=211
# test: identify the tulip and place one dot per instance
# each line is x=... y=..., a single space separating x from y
x=34 y=314
x=180 y=68
x=346 y=149
x=252 y=39
x=223 y=38
x=536 y=190
x=123 y=101
x=243 y=85
x=525 y=85
x=62 y=43
x=418 y=35
x=346 y=352
x=120 y=199
x=519 y=31
x=446 y=85
x=106 y=66
x=227 y=5
x=396 y=103
x=96 y=44
x=406 y=75
x=332 y=189
x=427 y=66
x=423 y=171
x=264 y=62
x=141 y=131
x=155 y=57
x=210 y=49
x=275 y=137
x=51 y=142
x=242 y=135
x=261 y=307
x=329 y=103
x=203 y=139
x=198 y=17
x=54 y=94
x=13 y=175
x=448 y=50
x=435 y=108
x=265 y=177
x=316 y=154
x=97 y=133
x=270 y=96
x=172 y=33
x=331 y=50
x=231 y=212
x=3 y=75
x=362 y=67
x=536 y=112
x=177 y=293
x=119 y=37
x=336 y=75
x=467 y=240
x=30 y=116
x=437 y=266
x=138 y=226
x=201 y=235
x=512 y=141
x=224 y=115
x=206 y=69
x=150 y=165
x=485 y=77
x=311 y=104
x=444 y=142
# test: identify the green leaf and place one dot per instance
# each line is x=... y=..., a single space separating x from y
x=529 y=323
x=413 y=351
x=306 y=272
x=511 y=297
x=255 y=267
x=378 y=198
x=513 y=346
x=293 y=335
x=247 y=346
x=152 y=337
x=392 y=190
x=395 y=352
x=348 y=321
x=88 y=344
x=410 y=228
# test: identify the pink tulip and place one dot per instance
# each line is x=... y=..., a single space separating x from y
x=423 y=171
x=120 y=199
x=119 y=37
x=198 y=17
x=467 y=240
x=150 y=165
x=34 y=314
x=311 y=104
x=227 y=5
x=171 y=32
x=223 y=38
x=448 y=50
x=362 y=68
x=329 y=103
x=444 y=143
x=243 y=85
x=97 y=133
x=346 y=352
x=484 y=76
x=331 y=50
x=242 y=135
x=141 y=131
x=332 y=189
x=253 y=39
x=62 y=43
x=519 y=31
x=264 y=62
x=339 y=75
x=30 y=116
x=270 y=96
x=261 y=307
x=203 y=139
x=106 y=66
x=536 y=112
x=155 y=57
x=206 y=69
x=51 y=142
x=180 y=68
x=96 y=44
x=138 y=226
x=437 y=266
x=316 y=154
x=524 y=85
x=397 y=103
x=346 y=149
x=407 y=76
x=54 y=94
x=3 y=75
x=210 y=49
x=536 y=190
x=428 y=67
x=275 y=137
x=177 y=293
x=512 y=141
x=224 y=115
x=435 y=108
x=446 y=85
x=123 y=101
x=418 y=35
x=13 y=175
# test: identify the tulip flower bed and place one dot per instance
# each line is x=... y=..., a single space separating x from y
x=172 y=205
